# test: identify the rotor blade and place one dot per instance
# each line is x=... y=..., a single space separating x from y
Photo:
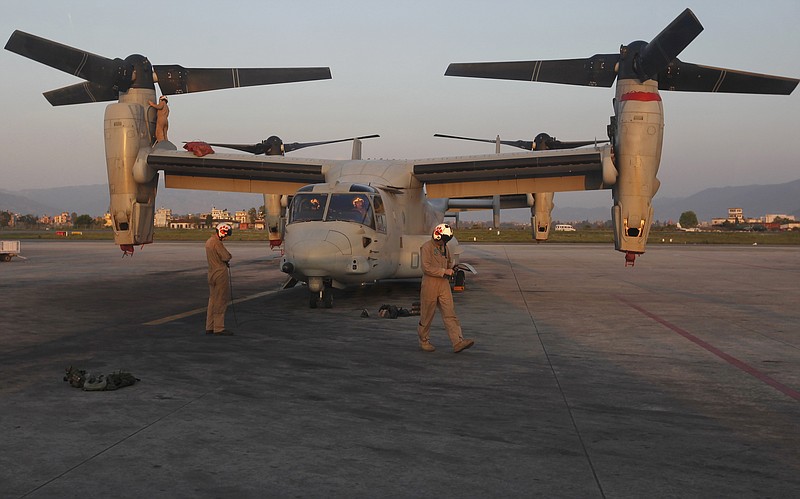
x=687 y=77
x=669 y=43
x=81 y=93
x=550 y=142
x=572 y=144
x=175 y=79
x=300 y=145
x=251 y=148
x=68 y=59
x=596 y=71
x=522 y=144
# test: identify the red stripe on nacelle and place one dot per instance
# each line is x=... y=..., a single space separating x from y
x=641 y=96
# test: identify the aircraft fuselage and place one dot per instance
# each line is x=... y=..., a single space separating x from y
x=332 y=244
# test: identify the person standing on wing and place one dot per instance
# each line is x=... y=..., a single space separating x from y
x=162 y=118
x=437 y=267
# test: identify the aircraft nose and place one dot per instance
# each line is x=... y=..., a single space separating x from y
x=312 y=256
x=315 y=255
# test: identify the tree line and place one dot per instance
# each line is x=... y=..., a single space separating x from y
x=29 y=221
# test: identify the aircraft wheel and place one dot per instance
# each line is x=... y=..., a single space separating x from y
x=313 y=299
x=327 y=297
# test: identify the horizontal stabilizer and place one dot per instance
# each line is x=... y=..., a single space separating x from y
x=507 y=202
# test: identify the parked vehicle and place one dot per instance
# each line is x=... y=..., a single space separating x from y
x=8 y=250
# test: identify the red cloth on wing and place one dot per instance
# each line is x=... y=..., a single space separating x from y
x=198 y=148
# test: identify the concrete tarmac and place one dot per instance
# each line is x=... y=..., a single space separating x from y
x=679 y=377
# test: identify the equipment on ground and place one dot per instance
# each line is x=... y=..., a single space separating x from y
x=8 y=250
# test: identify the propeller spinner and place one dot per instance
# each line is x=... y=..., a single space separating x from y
x=274 y=146
x=106 y=78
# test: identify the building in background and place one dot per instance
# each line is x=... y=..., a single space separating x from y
x=162 y=217
x=63 y=219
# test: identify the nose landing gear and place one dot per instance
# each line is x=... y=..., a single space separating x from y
x=325 y=297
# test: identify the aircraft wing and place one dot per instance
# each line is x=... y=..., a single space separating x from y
x=517 y=173
x=236 y=172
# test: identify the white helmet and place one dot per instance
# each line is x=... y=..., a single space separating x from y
x=224 y=230
x=442 y=232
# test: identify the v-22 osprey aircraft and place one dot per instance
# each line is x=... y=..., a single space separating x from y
x=348 y=222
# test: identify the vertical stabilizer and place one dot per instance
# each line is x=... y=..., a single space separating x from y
x=356 y=149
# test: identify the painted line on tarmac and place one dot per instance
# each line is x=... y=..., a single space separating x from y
x=196 y=311
x=752 y=371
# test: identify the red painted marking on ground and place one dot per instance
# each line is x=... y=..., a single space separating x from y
x=641 y=96
x=752 y=371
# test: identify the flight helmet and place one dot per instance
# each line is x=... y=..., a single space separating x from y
x=442 y=232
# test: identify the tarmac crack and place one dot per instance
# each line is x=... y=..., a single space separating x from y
x=555 y=378
x=115 y=444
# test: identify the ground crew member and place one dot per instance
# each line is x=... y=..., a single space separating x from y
x=437 y=266
x=162 y=123
x=218 y=283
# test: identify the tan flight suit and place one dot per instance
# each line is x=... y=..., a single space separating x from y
x=218 y=284
x=162 y=123
x=435 y=292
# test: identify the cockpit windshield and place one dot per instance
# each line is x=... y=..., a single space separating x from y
x=365 y=208
x=350 y=207
x=308 y=207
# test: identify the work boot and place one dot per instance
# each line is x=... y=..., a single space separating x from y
x=462 y=345
x=209 y=331
x=426 y=346
x=224 y=332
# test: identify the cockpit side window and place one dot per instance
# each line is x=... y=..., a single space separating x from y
x=380 y=213
x=351 y=207
x=307 y=207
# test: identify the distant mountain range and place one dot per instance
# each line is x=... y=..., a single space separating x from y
x=755 y=200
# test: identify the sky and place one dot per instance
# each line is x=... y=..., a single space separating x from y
x=388 y=61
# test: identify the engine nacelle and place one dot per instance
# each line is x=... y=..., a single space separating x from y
x=541 y=210
x=631 y=225
x=639 y=134
x=273 y=209
x=128 y=135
